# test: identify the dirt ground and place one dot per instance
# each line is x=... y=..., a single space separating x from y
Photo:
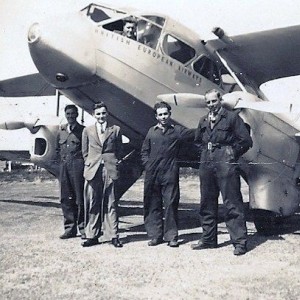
x=36 y=264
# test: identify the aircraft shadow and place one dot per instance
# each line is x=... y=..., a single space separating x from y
x=34 y=203
x=189 y=220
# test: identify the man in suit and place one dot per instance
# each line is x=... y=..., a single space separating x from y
x=71 y=173
x=101 y=148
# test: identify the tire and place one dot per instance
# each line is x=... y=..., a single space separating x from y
x=266 y=222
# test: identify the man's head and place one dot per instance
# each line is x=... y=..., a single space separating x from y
x=71 y=114
x=162 y=113
x=129 y=28
x=213 y=100
x=100 y=112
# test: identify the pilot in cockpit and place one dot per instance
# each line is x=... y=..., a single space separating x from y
x=148 y=33
x=130 y=28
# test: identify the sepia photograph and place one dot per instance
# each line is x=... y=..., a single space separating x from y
x=149 y=149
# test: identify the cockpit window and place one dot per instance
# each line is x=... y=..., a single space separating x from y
x=155 y=19
x=99 y=13
x=148 y=33
x=178 y=49
x=207 y=68
x=141 y=30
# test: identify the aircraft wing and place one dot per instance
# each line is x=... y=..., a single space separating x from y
x=26 y=86
x=262 y=56
x=23 y=156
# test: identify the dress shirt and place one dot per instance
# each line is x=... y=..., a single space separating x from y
x=101 y=130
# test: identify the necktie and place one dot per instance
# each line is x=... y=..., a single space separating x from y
x=102 y=128
x=212 y=118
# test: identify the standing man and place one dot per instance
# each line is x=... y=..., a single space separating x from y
x=71 y=173
x=101 y=145
x=224 y=138
x=161 y=186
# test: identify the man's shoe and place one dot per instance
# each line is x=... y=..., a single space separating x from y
x=173 y=243
x=239 y=250
x=117 y=243
x=90 y=242
x=68 y=235
x=200 y=246
x=154 y=242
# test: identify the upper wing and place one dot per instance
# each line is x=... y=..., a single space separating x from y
x=262 y=56
x=25 y=86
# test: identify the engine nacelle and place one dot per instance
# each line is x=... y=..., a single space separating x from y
x=43 y=149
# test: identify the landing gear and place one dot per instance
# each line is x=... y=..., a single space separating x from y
x=266 y=222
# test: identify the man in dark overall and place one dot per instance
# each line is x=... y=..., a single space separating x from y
x=71 y=173
x=161 y=186
x=224 y=137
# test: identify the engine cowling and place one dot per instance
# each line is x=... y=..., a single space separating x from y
x=43 y=148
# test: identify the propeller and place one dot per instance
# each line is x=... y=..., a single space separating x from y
x=31 y=123
x=234 y=100
x=241 y=99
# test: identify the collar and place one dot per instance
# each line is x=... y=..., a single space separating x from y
x=68 y=127
x=216 y=113
x=159 y=126
x=221 y=112
x=103 y=125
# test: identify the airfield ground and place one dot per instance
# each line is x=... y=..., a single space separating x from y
x=36 y=264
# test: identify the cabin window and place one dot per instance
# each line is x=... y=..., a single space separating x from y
x=178 y=49
x=144 y=32
x=207 y=68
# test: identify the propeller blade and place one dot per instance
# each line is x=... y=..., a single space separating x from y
x=184 y=99
x=13 y=125
x=264 y=106
x=240 y=99
x=234 y=100
x=30 y=122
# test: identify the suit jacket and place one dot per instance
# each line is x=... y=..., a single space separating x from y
x=94 y=152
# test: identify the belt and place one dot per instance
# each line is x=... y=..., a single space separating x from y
x=212 y=146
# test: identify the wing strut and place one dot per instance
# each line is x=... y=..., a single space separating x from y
x=57 y=94
x=224 y=62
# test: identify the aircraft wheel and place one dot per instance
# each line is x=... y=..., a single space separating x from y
x=266 y=222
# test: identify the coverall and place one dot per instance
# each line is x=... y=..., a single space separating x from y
x=71 y=177
x=219 y=172
x=161 y=185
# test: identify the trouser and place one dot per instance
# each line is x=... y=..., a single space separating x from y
x=221 y=177
x=71 y=195
x=155 y=197
x=100 y=206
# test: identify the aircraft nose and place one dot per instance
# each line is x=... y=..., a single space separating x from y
x=63 y=50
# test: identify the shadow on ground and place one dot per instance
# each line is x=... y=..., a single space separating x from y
x=189 y=220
